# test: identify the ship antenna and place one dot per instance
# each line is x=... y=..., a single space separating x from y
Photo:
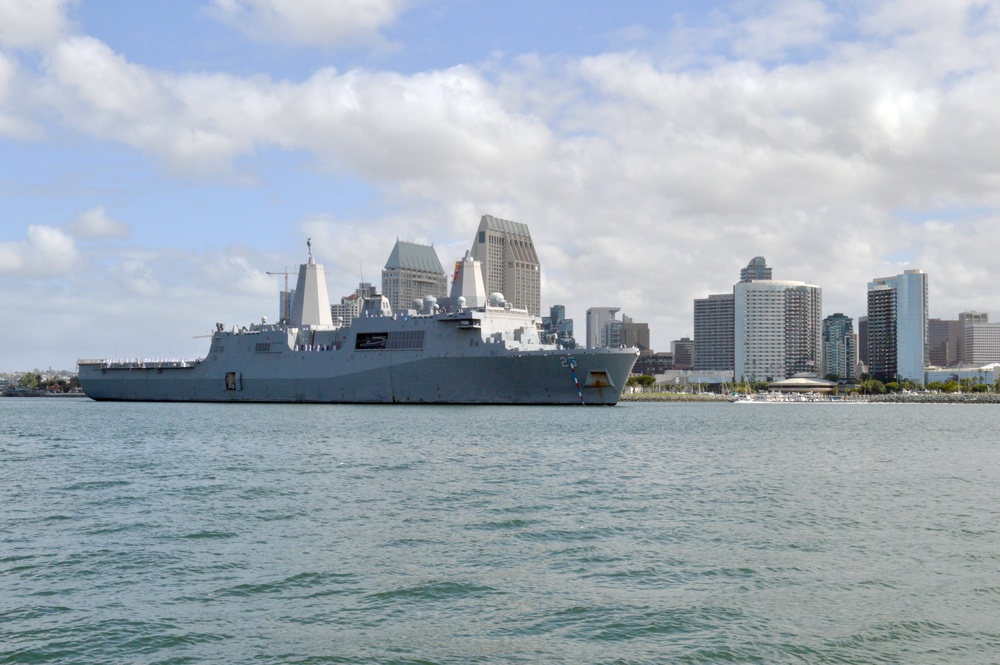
x=309 y=244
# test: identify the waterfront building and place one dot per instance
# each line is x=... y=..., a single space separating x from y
x=689 y=380
x=597 y=318
x=412 y=272
x=982 y=343
x=897 y=326
x=840 y=347
x=510 y=264
x=882 y=333
x=777 y=329
x=653 y=362
x=683 y=351
x=635 y=334
x=713 y=332
x=985 y=374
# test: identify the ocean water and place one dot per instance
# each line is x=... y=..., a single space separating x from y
x=643 y=533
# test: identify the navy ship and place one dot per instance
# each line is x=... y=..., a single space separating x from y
x=475 y=349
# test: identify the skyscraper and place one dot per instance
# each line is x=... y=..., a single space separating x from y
x=510 y=264
x=982 y=343
x=944 y=342
x=713 y=332
x=597 y=319
x=412 y=272
x=635 y=334
x=897 y=326
x=777 y=329
x=966 y=319
x=840 y=346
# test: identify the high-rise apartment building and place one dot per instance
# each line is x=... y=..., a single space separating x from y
x=714 y=323
x=713 y=332
x=597 y=319
x=897 y=326
x=840 y=346
x=412 y=272
x=882 y=333
x=777 y=329
x=510 y=264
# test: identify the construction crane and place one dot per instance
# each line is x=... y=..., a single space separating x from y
x=287 y=314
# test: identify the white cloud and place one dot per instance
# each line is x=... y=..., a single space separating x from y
x=234 y=274
x=33 y=24
x=438 y=125
x=45 y=252
x=786 y=26
x=310 y=22
x=14 y=121
x=136 y=277
x=95 y=224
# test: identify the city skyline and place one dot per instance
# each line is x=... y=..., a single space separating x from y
x=160 y=159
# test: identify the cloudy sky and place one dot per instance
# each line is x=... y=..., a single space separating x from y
x=157 y=159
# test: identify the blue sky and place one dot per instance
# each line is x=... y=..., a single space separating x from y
x=159 y=158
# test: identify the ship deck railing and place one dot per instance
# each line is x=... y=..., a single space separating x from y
x=139 y=363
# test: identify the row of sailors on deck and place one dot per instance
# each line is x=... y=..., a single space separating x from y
x=315 y=347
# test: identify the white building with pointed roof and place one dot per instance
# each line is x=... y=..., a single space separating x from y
x=510 y=264
x=412 y=272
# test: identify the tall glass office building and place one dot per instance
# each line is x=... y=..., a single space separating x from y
x=897 y=326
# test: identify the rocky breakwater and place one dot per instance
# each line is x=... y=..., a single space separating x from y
x=674 y=397
x=936 y=398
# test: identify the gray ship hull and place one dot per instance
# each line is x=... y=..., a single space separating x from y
x=454 y=365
